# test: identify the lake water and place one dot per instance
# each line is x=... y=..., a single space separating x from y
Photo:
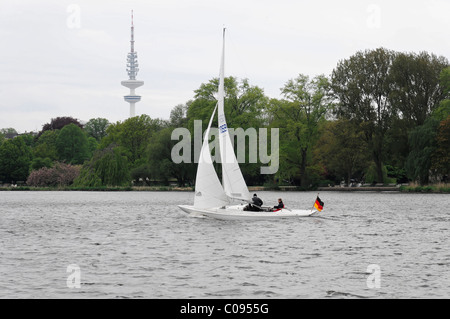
x=141 y=245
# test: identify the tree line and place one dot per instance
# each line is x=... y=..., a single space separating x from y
x=380 y=117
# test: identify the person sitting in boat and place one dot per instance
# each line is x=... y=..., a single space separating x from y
x=255 y=205
x=257 y=201
x=279 y=206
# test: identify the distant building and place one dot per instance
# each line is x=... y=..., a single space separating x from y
x=11 y=135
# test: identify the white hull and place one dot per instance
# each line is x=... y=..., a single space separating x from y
x=237 y=213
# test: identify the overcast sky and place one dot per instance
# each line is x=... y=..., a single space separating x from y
x=67 y=58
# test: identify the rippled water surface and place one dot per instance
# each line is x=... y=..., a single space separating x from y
x=141 y=245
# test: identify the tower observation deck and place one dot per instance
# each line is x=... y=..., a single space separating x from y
x=132 y=70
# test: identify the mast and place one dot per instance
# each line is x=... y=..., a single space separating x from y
x=232 y=179
x=222 y=69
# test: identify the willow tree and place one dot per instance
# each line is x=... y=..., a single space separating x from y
x=160 y=163
x=108 y=167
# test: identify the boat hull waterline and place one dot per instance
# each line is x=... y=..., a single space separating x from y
x=237 y=212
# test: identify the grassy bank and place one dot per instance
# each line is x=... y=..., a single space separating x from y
x=437 y=188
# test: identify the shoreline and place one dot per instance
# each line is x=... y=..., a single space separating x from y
x=361 y=189
x=440 y=189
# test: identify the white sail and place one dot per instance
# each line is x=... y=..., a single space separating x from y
x=233 y=181
x=208 y=189
x=211 y=198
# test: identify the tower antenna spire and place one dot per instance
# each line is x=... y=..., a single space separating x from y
x=132 y=70
x=132 y=31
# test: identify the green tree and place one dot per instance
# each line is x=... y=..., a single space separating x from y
x=178 y=115
x=429 y=142
x=441 y=156
x=362 y=86
x=45 y=151
x=39 y=162
x=8 y=132
x=417 y=90
x=396 y=148
x=15 y=160
x=59 y=123
x=108 y=167
x=244 y=103
x=245 y=107
x=96 y=128
x=160 y=162
x=422 y=141
x=133 y=136
x=444 y=107
x=29 y=139
x=92 y=145
x=298 y=116
x=142 y=174
x=72 y=145
x=342 y=150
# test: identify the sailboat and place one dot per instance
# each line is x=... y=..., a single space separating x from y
x=213 y=198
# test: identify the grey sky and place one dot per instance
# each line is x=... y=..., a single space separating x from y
x=67 y=58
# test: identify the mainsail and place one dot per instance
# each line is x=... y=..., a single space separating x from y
x=233 y=181
x=208 y=190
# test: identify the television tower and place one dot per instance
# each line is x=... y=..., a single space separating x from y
x=132 y=70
